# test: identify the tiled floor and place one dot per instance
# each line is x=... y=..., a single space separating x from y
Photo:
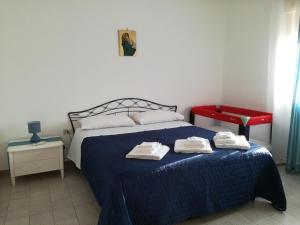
x=45 y=199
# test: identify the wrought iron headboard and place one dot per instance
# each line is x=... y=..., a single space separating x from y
x=118 y=106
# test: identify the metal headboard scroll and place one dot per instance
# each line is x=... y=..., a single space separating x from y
x=118 y=106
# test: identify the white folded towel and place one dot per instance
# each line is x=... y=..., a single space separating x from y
x=180 y=147
x=225 y=141
x=148 y=147
x=137 y=153
x=225 y=135
x=194 y=138
x=149 y=144
x=225 y=138
x=195 y=142
x=241 y=143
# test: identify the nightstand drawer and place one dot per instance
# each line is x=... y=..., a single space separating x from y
x=38 y=166
x=33 y=155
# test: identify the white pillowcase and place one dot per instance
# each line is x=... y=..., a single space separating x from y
x=105 y=121
x=156 y=116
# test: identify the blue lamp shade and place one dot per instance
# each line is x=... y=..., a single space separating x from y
x=34 y=127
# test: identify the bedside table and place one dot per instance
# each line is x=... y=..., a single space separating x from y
x=27 y=158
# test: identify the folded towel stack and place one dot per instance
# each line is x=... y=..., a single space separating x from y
x=149 y=147
x=225 y=138
x=148 y=150
x=193 y=145
x=229 y=140
x=225 y=135
x=195 y=142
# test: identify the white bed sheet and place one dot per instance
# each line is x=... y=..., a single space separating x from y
x=74 y=153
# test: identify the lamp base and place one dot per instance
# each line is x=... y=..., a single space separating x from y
x=35 y=138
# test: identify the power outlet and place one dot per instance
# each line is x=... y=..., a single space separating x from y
x=66 y=131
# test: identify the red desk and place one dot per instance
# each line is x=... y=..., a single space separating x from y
x=243 y=117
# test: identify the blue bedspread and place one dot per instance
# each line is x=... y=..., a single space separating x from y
x=145 y=192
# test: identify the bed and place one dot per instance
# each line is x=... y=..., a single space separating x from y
x=180 y=186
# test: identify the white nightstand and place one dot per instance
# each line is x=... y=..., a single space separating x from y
x=26 y=158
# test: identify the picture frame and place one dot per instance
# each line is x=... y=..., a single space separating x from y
x=127 y=42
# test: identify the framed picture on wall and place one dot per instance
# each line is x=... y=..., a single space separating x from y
x=127 y=42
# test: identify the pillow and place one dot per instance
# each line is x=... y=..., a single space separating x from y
x=156 y=116
x=105 y=121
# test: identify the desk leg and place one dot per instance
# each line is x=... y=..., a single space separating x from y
x=12 y=168
x=62 y=173
x=13 y=181
x=192 y=118
x=62 y=162
x=244 y=130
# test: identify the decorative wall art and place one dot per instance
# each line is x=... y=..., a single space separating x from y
x=127 y=42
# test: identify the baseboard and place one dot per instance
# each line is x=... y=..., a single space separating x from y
x=68 y=164
x=4 y=172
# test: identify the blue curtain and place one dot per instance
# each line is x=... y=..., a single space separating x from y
x=293 y=156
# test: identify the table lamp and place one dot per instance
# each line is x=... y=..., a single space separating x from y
x=34 y=127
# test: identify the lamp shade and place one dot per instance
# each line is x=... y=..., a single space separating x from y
x=34 y=127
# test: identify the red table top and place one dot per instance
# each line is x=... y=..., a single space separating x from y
x=233 y=114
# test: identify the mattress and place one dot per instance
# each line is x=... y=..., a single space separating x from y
x=74 y=153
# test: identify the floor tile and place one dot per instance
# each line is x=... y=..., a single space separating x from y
x=42 y=219
x=63 y=214
x=40 y=198
x=17 y=213
x=236 y=216
x=21 y=187
x=57 y=185
x=70 y=221
x=5 y=191
x=4 y=204
x=257 y=210
x=294 y=199
x=82 y=198
x=284 y=218
x=19 y=221
x=40 y=208
x=37 y=187
x=62 y=203
x=48 y=198
x=267 y=221
x=87 y=214
x=19 y=195
x=55 y=196
x=2 y=218
x=293 y=210
x=18 y=203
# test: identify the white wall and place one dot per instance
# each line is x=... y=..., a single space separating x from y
x=247 y=80
x=61 y=56
x=246 y=54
